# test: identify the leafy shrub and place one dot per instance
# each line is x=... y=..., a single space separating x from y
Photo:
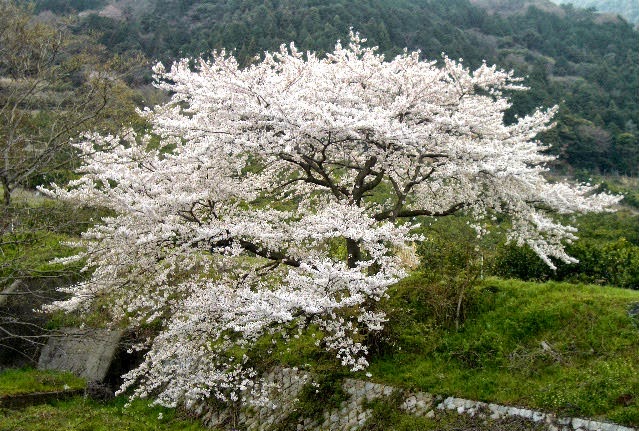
x=522 y=263
x=615 y=263
x=453 y=259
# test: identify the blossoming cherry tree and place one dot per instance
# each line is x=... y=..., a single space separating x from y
x=230 y=229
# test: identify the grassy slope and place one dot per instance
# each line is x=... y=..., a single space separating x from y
x=80 y=414
x=571 y=349
x=23 y=381
x=589 y=366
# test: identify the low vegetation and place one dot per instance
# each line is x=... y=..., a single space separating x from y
x=559 y=347
x=81 y=414
x=566 y=348
x=23 y=381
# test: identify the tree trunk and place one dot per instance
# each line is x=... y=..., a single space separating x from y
x=6 y=192
x=354 y=253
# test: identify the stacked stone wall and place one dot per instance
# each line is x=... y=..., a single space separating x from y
x=354 y=412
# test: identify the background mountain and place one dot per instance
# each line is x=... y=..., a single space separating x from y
x=583 y=61
x=629 y=9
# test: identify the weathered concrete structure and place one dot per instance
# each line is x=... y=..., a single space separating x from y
x=87 y=353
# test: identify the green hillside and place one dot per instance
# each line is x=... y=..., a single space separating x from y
x=568 y=56
x=629 y=9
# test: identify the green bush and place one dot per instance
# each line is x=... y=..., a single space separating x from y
x=601 y=262
x=522 y=263
x=453 y=258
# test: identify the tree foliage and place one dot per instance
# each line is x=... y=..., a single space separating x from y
x=53 y=86
x=227 y=231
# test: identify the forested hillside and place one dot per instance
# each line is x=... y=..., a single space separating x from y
x=629 y=9
x=569 y=56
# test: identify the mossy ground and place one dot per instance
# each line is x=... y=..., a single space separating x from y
x=81 y=414
x=22 y=381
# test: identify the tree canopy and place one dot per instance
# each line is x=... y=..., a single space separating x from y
x=53 y=86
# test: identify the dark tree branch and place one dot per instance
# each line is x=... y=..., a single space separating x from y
x=358 y=187
x=385 y=215
x=277 y=256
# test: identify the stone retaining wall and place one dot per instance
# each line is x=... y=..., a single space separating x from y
x=353 y=413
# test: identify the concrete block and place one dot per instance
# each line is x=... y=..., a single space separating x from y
x=87 y=353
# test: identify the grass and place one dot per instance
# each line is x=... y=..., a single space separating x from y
x=22 y=381
x=81 y=414
x=570 y=349
x=559 y=347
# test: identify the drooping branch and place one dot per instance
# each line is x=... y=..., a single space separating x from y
x=388 y=214
x=258 y=250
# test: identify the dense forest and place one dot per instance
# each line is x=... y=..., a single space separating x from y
x=629 y=9
x=568 y=56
